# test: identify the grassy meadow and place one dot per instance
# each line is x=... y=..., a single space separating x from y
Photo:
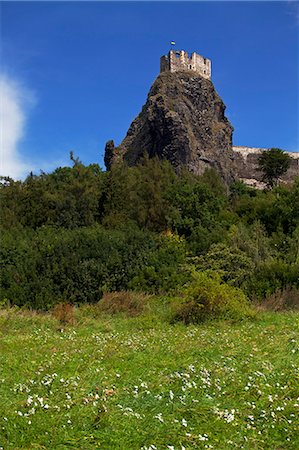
x=116 y=382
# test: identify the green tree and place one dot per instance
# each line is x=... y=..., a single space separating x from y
x=196 y=211
x=273 y=164
x=233 y=265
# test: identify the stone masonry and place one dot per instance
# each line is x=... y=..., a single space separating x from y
x=247 y=165
x=178 y=61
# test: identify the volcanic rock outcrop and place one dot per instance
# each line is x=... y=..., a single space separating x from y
x=182 y=121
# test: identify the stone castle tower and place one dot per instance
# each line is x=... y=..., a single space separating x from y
x=177 y=61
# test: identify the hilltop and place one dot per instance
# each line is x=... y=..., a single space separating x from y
x=184 y=122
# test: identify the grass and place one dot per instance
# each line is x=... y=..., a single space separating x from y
x=111 y=382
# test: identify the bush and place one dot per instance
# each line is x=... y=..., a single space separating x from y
x=68 y=198
x=251 y=240
x=64 y=313
x=208 y=297
x=281 y=300
x=273 y=275
x=125 y=302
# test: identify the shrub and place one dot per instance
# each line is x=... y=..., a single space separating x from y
x=127 y=302
x=64 y=313
x=251 y=240
x=207 y=297
x=163 y=270
x=286 y=299
x=273 y=275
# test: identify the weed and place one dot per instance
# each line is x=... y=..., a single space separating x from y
x=281 y=300
x=126 y=302
x=64 y=313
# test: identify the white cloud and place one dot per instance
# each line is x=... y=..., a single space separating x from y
x=15 y=103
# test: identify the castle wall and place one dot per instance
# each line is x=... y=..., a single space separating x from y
x=177 y=61
x=247 y=165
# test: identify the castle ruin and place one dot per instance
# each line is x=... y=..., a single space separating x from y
x=177 y=61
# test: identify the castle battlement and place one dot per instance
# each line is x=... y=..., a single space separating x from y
x=177 y=61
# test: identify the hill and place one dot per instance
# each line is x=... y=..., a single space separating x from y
x=183 y=122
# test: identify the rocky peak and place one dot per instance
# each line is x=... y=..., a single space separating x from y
x=182 y=121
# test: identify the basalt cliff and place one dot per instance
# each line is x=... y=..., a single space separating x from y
x=182 y=121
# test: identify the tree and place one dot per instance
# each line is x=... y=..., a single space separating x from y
x=273 y=164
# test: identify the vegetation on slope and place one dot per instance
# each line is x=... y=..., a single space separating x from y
x=78 y=232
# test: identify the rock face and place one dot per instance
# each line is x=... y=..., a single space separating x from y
x=182 y=121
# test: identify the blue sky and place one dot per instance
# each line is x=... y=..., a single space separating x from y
x=75 y=74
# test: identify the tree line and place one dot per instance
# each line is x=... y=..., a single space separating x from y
x=77 y=232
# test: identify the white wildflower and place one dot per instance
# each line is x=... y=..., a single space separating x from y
x=229 y=418
x=203 y=437
x=184 y=423
x=159 y=417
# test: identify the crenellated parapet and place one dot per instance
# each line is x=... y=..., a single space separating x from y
x=178 y=61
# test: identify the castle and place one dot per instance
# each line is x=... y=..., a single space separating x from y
x=177 y=61
x=183 y=121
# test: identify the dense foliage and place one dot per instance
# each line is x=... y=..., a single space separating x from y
x=78 y=232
